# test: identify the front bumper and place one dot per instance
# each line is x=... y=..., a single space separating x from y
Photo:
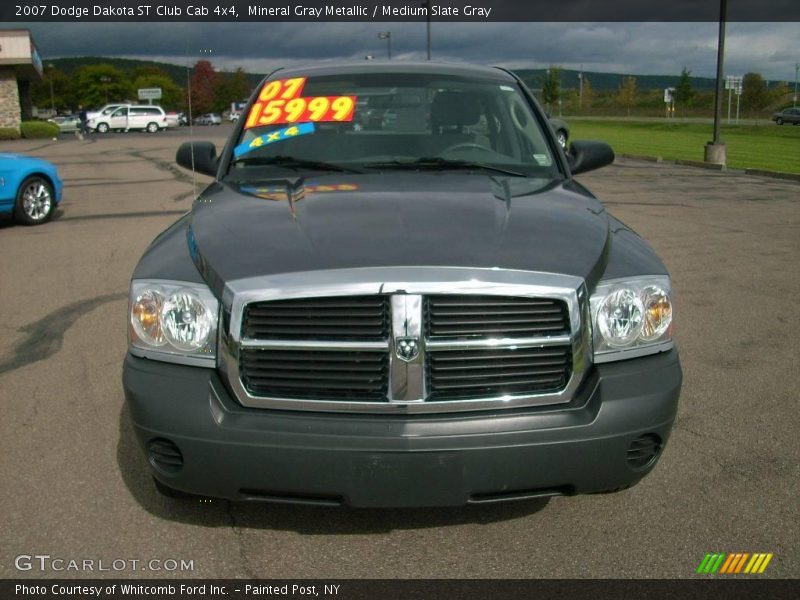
x=238 y=453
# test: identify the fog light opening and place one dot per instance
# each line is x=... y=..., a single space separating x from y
x=165 y=456
x=644 y=451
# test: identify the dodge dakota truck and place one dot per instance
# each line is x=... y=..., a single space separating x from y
x=432 y=314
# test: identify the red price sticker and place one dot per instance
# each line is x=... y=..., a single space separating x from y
x=280 y=102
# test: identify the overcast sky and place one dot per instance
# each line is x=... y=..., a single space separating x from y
x=771 y=49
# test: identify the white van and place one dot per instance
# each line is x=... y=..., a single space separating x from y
x=104 y=110
x=130 y=116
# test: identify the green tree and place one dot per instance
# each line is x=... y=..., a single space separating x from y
x=754 y=92
x=95 y=85
x=230 y=87
x=62 y=90
x=551 y=89
x=684 y=93
x=780 y=95
x=627 y=93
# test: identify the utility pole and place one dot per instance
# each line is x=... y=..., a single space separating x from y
x=794 y=98
x=387 y=35
x=580 y=88
x=427 y=6
x=715 y=150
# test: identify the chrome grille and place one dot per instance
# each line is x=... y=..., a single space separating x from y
x=405 y=339
x=337 y=318
x=494 y=316
x=303 y=374
x=488 y=373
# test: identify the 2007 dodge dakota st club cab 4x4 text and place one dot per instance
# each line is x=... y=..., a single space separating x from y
x=428 y=311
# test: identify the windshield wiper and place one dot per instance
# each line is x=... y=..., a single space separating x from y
x=291 y=162
x=439 y=163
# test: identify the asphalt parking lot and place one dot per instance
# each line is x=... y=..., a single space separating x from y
x=75 y=485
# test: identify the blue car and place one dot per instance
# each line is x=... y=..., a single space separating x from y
x=30 y=188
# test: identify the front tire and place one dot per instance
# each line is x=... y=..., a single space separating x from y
x=35 y=201
x=152 y=127
x=779 y=121
x=102 y=128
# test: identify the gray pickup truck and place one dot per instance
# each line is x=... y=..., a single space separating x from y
x=434 y=314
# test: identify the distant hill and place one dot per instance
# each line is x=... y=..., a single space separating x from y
x=176 y=72
x=532 y=77
x=611 y=81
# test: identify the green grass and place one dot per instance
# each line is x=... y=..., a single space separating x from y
x=749 y=146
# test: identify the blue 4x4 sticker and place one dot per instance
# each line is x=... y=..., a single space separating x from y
x=274 y=136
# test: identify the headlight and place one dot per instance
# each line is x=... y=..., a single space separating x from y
x=173 y=321
x=631 y=317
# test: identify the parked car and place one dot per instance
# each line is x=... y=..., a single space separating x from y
x=68 y=124
x=561 y=130
x=143 y=117
x=30 y=188
x=173 y=119
x=233 y=117
x=787 y=115
x=208 y=119
x=402 y=318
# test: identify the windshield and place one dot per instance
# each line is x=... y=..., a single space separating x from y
x=382 y=121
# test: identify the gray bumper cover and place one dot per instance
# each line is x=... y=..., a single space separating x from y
x=394 y=460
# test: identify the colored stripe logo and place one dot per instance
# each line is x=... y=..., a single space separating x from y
x=734 y=563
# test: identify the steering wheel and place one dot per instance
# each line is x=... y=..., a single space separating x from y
x=466 y=146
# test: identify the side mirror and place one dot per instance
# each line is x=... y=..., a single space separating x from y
x=587 y=156
x=198 y=156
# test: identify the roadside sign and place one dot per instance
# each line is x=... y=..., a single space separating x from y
x=733 y=82
x=669 y=101
x=149 y=93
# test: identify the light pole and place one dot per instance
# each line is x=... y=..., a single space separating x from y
x=51 y=66
x=794 y=98
x=105 y=81
x=387 y=35
x=715 y=150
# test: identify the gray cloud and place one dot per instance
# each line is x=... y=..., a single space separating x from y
x=640 y=48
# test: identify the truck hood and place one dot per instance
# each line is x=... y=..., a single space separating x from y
x=339 y=221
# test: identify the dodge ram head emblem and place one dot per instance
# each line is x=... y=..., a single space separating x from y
x=407 y=348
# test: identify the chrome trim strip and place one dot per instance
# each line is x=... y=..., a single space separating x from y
x=313 y=345
x=612 y=356
x=407 y=377
x=405 y=280
x=529 y=342
x=179 y=359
